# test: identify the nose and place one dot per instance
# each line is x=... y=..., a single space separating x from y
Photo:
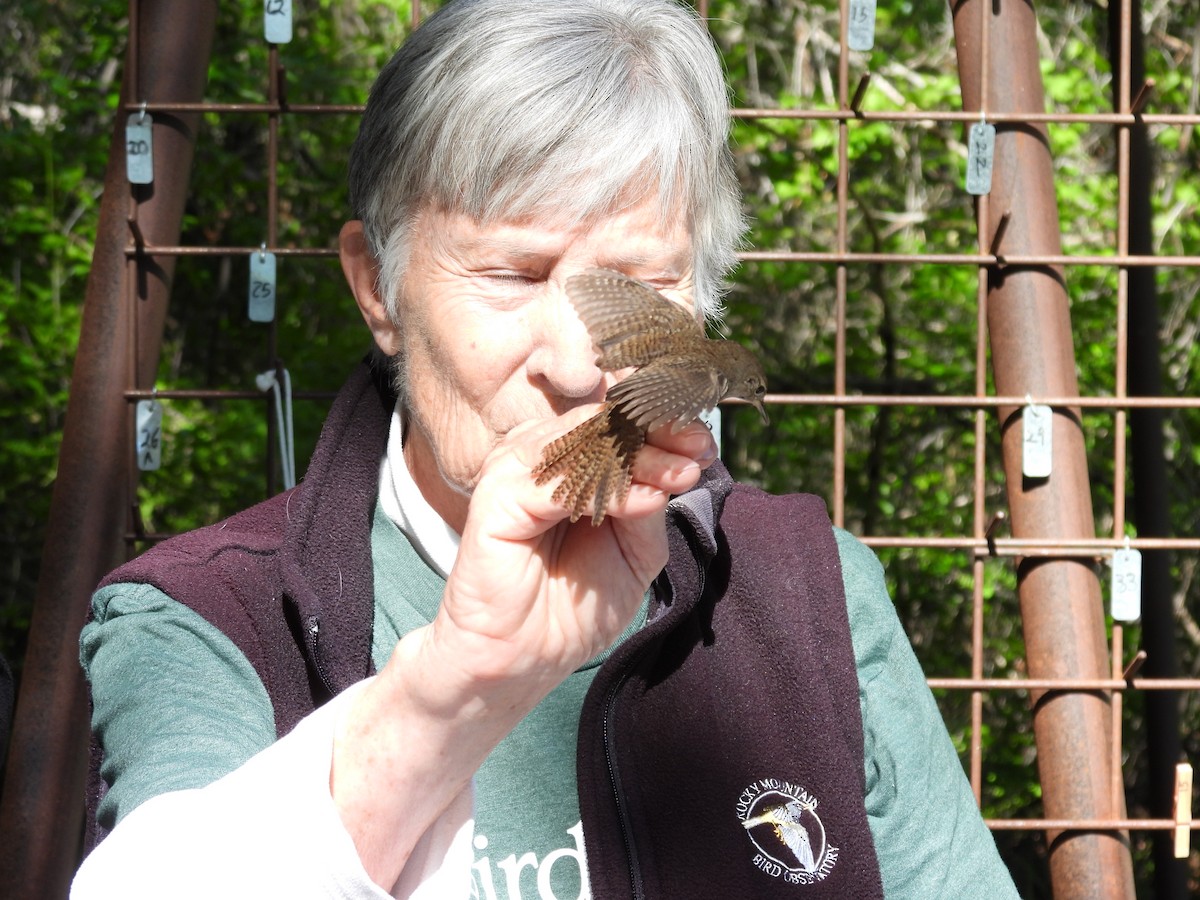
x=563 y=361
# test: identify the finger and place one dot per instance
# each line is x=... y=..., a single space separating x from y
x=694 y=440
x=507 y=500
x=528 y=439
x=656 y=470
x=643 y=542
x=672 y=462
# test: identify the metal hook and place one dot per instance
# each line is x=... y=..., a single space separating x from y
x=142 y=113
x=990 y=533
x=1001 y=226
x=1134 y=667
x=1143 y=95
x=262 y=252
x=859 y=91
x=138 y=240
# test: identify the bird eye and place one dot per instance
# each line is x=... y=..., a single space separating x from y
x=760 y=390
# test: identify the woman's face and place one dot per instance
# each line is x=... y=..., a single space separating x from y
x=488 y=338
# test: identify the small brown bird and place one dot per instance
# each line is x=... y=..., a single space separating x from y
x=679 y=374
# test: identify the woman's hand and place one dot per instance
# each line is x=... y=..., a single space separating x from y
x=533 y=597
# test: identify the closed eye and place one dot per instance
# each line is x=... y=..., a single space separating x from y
x=514 y=277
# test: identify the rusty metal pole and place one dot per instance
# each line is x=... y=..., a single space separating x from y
x=1033 y=354
x=42 y=809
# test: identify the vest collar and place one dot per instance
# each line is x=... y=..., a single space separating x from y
x=325 y=561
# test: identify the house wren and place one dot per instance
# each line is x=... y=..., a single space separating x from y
x=679 y=374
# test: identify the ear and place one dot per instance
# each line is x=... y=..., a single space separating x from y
x=362 y=274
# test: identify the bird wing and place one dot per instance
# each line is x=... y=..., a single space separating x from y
x=660 y=392
x=627 y=320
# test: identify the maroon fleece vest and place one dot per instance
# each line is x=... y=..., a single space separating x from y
x=727 y=750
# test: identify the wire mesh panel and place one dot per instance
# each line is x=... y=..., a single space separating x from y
x=873 y=287
x=897 y=376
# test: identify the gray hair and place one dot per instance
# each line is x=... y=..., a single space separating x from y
x=509 y=109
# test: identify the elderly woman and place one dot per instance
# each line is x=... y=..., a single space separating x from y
x=413 y=675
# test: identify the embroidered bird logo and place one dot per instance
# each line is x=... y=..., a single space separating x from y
x=786 y=821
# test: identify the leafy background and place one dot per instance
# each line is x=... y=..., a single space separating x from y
x=911 y=329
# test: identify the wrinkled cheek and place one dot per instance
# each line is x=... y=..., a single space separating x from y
x=451 y=423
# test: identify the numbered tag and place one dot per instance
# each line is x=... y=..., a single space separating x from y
x=139 y=148
x=1127 y=585
x=277 y=21
x=262 y=286
x=149 y=435
x=981 y=152
x=862 y=25
x=1037 y=424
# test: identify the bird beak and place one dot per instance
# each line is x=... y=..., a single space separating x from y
x=762 y=410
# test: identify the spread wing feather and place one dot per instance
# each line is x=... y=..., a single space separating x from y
x=627 y=320
x=657 y=394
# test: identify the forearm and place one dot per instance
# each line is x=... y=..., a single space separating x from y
x=190 y=748
x=408 y=746
x=268 y=828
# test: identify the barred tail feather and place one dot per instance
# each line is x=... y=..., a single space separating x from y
x=594 y=459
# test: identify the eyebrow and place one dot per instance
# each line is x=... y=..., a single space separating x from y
x=536 y=247
x=520 y=249
x=666 y=262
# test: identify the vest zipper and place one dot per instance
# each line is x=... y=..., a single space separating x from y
x=610 y=758
x=312 y=631
x=610 y=702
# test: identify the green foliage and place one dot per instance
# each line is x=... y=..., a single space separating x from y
x=60 y=67
x=912 y=329
x=55 y=117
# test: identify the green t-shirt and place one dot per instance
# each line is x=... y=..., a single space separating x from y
x=178 y=706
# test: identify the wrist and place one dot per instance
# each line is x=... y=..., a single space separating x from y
x=453 y=681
